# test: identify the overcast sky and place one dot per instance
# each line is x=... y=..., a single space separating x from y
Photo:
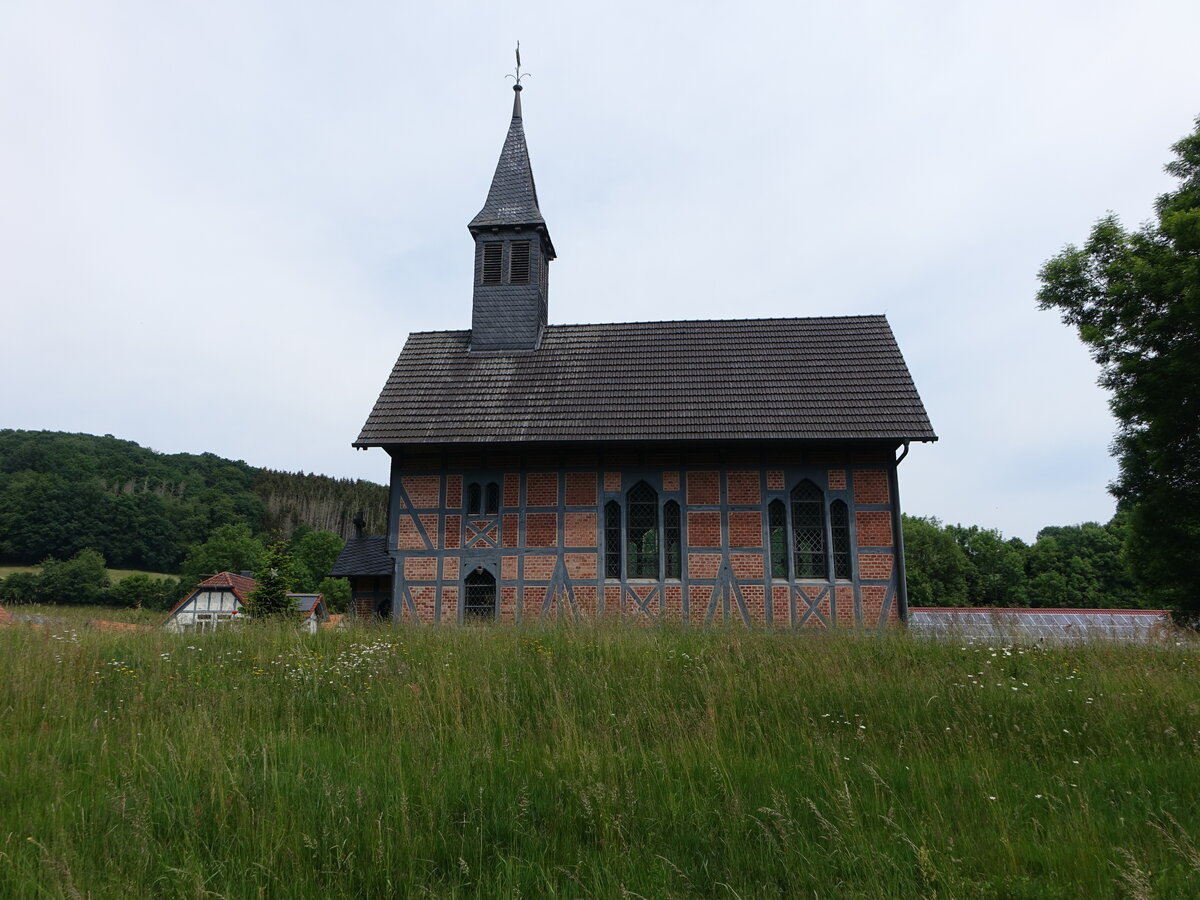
x=220 y=220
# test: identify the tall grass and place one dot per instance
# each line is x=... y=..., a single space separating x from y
x=600 y=762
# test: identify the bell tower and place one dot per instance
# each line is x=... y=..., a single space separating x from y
x=512 y=252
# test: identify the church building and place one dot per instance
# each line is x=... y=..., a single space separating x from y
x=711 y=471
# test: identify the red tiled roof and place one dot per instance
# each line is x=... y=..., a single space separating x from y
x=241 y=584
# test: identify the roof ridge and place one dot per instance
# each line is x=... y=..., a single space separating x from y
x=746 y=319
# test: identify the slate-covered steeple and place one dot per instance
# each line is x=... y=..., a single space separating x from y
x=512 y=253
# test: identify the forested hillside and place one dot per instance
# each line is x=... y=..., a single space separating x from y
x=61 y=493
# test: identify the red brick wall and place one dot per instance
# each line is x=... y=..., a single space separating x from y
x=424 y=491
x=743 y=487
x=541 y=529
x=541 y=489
x=704 y=528
x=745 y=528
x=875 y=566
x=870 y=486
x=581 y=489
x=703 y=488
x=874 y=527
x=581 y=529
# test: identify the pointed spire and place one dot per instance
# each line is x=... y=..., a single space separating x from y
x=512 y=200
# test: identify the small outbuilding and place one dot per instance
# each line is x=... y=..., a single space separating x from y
x=220 y=601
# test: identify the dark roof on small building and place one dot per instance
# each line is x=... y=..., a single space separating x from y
x=762 y=379
x=363 y=556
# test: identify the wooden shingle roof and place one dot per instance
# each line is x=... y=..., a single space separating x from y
x=763 y=379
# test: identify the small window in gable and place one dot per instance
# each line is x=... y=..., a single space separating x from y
x=493 y=499
x=474 y=499
x=518 y=262
x=490 y=273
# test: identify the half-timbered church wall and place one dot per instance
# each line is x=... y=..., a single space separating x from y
x=804 y=538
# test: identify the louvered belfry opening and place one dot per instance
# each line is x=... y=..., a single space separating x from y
x=641 y=556
x=518 y=262
x=808 y=530
x=479 y=602
x=493 y=253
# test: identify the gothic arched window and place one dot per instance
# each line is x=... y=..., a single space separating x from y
x=808 y=531
x=474 y=499
x=641 y=532
x=493 y=499
x=479 y=596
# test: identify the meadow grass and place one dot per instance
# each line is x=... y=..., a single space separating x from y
x=60 y=615
x=592 y=761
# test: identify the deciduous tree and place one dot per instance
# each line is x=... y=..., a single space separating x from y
x=1134 y=297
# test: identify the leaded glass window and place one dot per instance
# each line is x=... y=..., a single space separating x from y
x=641 y=532
x=493 y=499
x=671 y=536
x=808 y=531
x=839 y=527
x=777 y=532
x=612 y=539
x=479 y=601
x=474 y=499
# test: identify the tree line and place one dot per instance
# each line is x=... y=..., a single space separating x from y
x=1068 y=566
x=64 y=493
x=84 y=579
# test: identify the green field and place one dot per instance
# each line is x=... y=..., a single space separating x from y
x=602 y=762
x=114 y=574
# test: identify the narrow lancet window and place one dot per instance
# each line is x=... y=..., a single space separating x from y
x=474 y=502
x=839 y=527
x=671 y=538
x=777 y=536
x=493 y=499
x=808 y=531
x=612 y=539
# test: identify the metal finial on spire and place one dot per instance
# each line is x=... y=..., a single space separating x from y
x=519 y=75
